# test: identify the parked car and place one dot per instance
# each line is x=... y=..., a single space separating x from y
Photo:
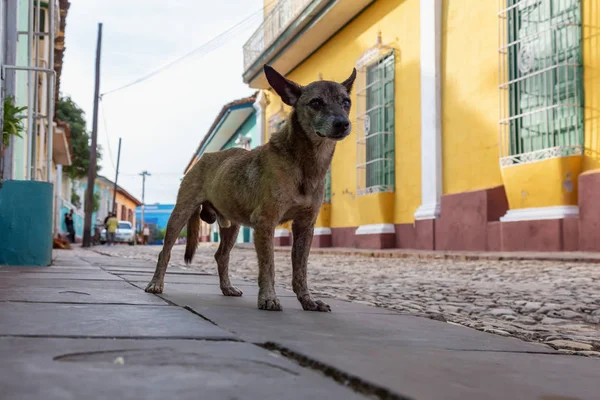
x=124 y=233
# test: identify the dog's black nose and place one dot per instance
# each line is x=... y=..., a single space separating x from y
x=341 y=124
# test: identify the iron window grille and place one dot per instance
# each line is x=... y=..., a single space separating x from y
x=541 y=80
x=375 y=120
x=327 y=195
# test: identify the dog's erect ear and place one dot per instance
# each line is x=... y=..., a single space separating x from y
x=288 y=91
x=348 y=83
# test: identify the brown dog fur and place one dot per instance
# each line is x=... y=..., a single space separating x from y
x=280 y=181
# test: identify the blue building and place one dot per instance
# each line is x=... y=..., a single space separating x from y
x=155 y=215
x=239 y=124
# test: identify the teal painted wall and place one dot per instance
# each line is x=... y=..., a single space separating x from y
x=248 y=129
x=105 y=196
x=26 y=223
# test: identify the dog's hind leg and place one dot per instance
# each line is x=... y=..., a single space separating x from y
x=179 y=217
x=228 y=238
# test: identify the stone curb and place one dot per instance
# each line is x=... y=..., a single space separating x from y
x=447 y=255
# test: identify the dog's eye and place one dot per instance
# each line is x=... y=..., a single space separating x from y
x=316 y=103
x=346 y=103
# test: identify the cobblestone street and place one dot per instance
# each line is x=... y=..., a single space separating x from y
x=545 y=301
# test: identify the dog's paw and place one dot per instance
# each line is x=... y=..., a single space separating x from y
x=269 y=304
x=231 y=291
x=154 y=287
x=308 y=304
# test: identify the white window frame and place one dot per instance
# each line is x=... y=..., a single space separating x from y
x=371 y=57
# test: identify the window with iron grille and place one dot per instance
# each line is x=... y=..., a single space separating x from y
x=375 y=127
x=541 y=88
x=327 y=196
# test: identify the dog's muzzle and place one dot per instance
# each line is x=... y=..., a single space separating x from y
x=341 y=128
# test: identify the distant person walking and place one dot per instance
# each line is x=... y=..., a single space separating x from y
x=69 y=222
x=111 y=229
x=146 y=234
x=105 y=224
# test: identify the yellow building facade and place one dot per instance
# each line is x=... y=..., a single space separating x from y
x=473 y=121
x=125 y=205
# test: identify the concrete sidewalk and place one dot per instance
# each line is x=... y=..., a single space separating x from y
x=84 y=328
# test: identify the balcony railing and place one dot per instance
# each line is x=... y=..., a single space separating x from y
x=282 y=15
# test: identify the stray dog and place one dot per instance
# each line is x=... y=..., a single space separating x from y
x=280 y=181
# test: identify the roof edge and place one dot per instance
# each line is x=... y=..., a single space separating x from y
x=245 y=100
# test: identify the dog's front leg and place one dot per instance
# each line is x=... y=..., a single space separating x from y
x=263 y=242
x=303 y=235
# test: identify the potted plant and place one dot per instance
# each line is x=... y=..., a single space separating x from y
x=12 y=123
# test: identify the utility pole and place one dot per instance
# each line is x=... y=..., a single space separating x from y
x=89 y=196
x=144 y=174
x=114 y=203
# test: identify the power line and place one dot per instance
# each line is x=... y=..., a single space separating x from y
x=205 y=46
x=215 y=42
x=167 y=66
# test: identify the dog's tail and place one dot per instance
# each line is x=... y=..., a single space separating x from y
x=193 y=232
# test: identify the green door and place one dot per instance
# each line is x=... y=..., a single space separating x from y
x=246 y=231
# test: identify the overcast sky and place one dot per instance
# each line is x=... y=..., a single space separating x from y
x=162 y=120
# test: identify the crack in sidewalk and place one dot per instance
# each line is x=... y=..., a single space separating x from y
x=353 y=382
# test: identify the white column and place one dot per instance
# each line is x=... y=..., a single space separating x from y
x=431 y=110
x=260 y=105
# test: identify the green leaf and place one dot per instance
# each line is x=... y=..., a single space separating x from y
x=13 y=122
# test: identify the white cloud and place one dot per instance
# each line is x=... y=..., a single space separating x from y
x=162 y=120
